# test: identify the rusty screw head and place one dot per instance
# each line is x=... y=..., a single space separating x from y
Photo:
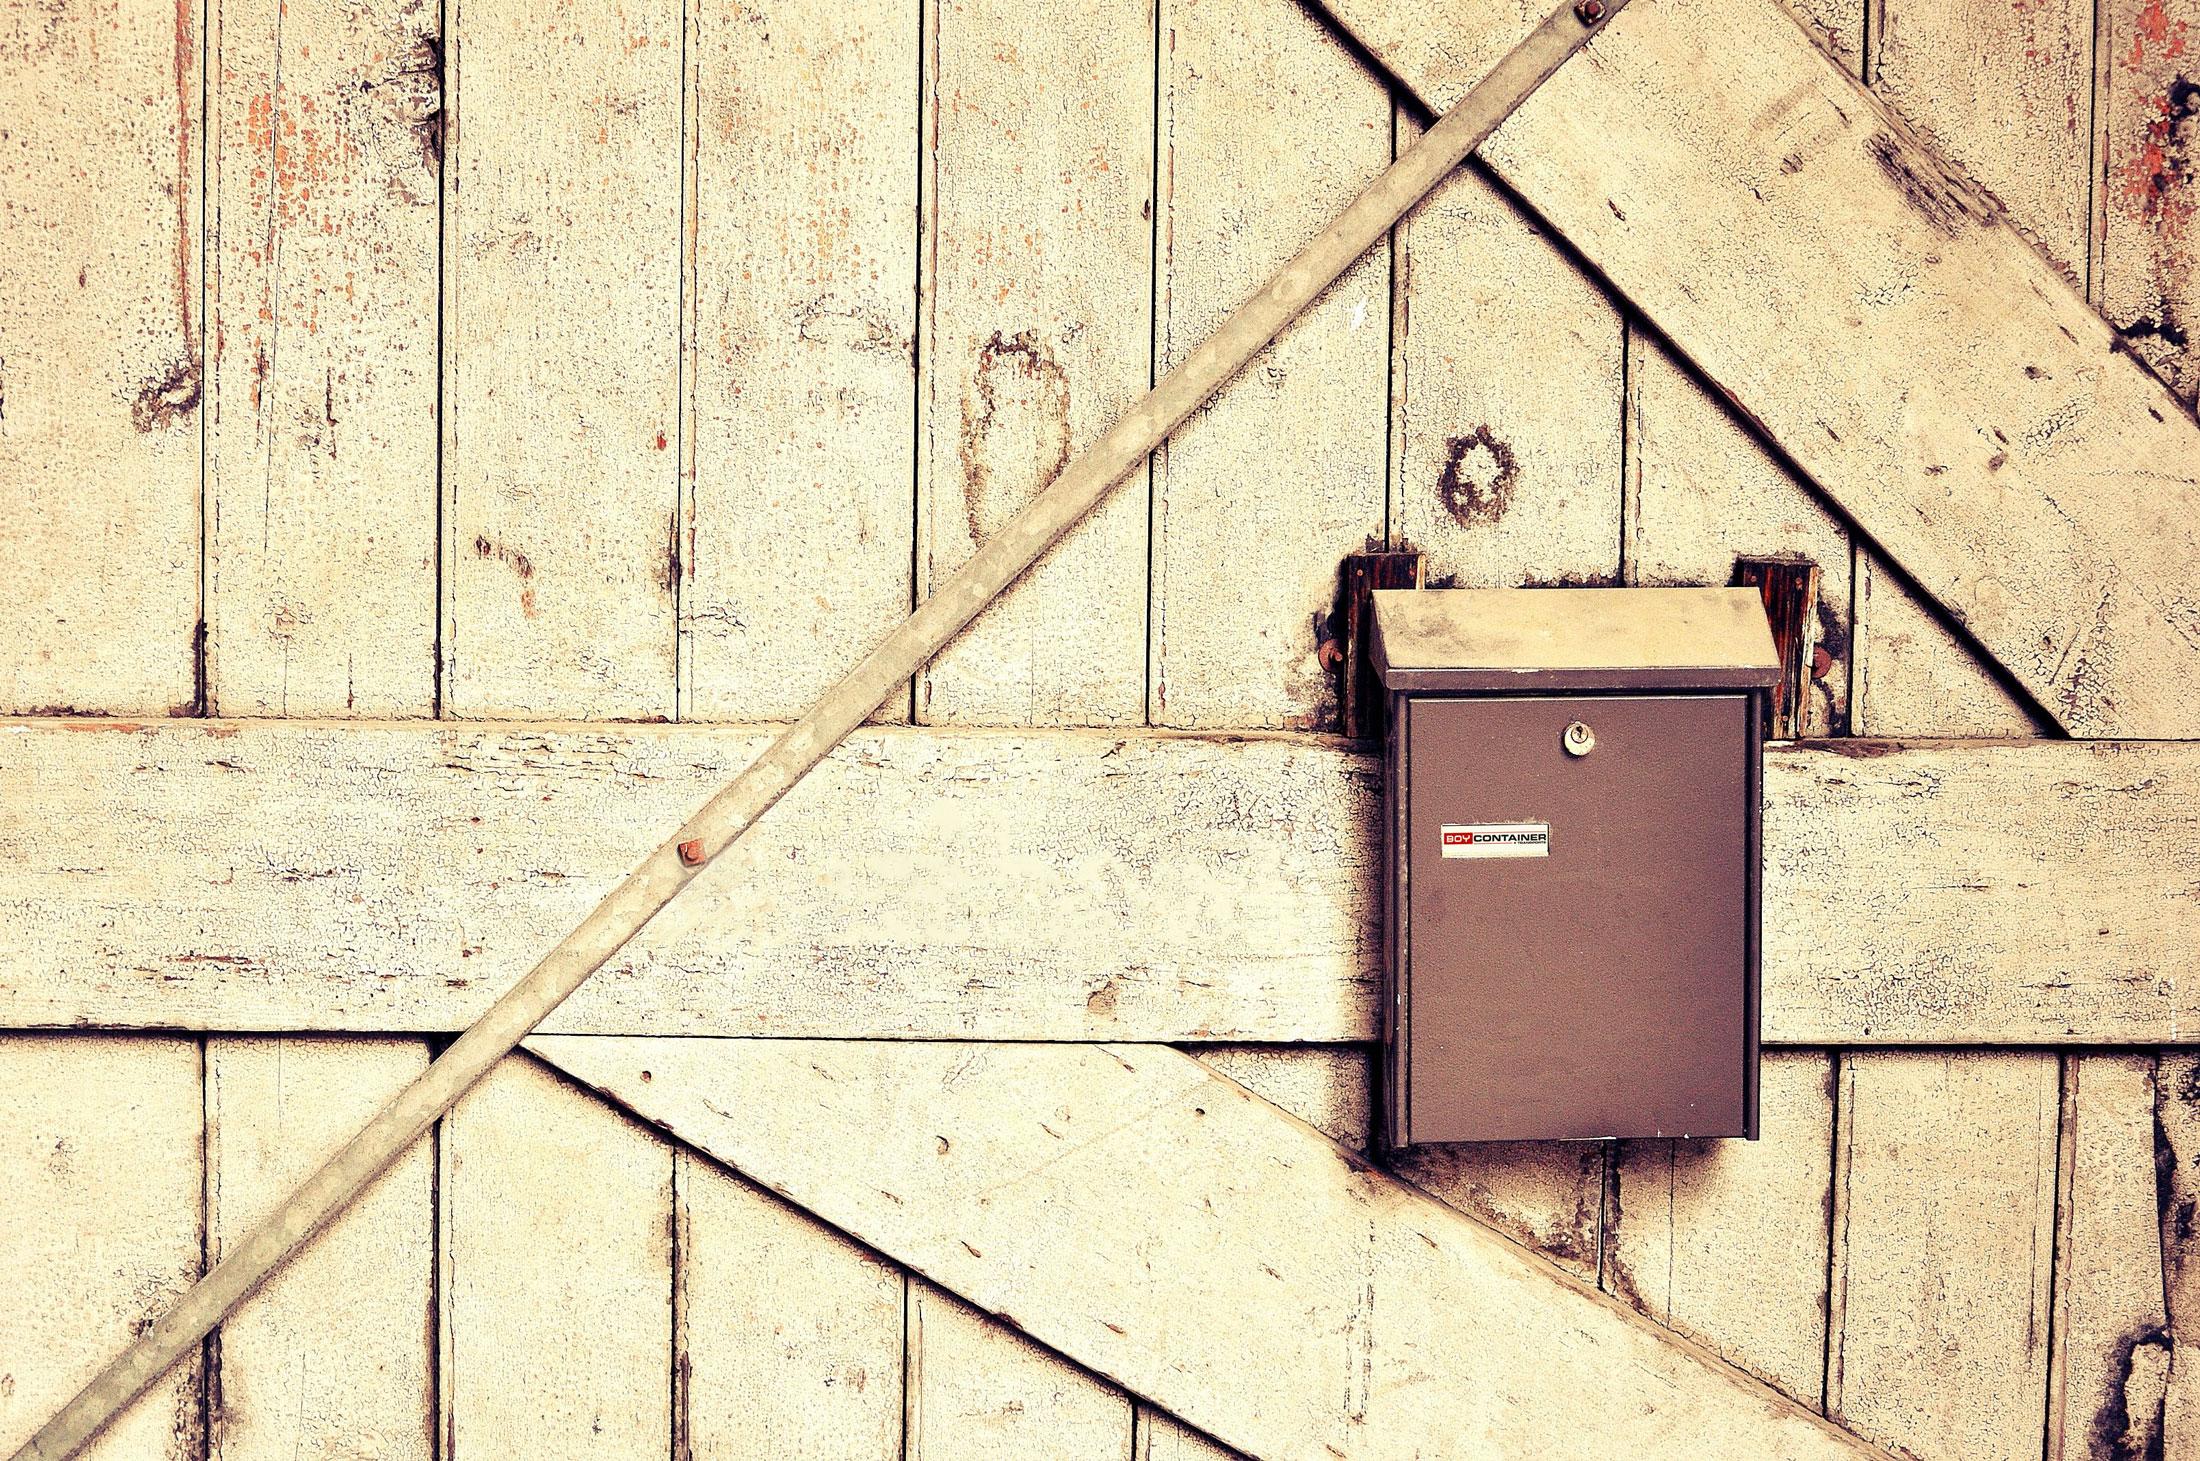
x=691 y=852
x=1590 y=11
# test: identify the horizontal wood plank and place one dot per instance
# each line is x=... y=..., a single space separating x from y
x=1876 y=315
x=1127 y=1205
x=1002 y=884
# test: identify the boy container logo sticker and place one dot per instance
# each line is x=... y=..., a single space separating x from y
x=1497 y=839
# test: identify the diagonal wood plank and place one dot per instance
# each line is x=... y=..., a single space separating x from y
x=1870 y=310
x=1130 y=1208
x=1009 y=884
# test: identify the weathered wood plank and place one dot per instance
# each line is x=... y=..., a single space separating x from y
x=1547 y=1196
x=100 y=1221
x=1125 y=1206
x=2005 y=93
x=798 y=557
x=1701 y=492
x=1036 y=329
x=2177 y=1193
x=1164 y=1438
x=100 y=358
x=322 y=434
x=1506 y=397
x=790 y=1335
x=562 y=340
x=1943 y=1234
x=1917 y=359
x=1725 y=1241
x=1329 y=1087
x=2148 y=272
x=1014 y=885
x=2110 y=1369
x=1252 y=511
x=979 y=1391
x=333 y=1358
x=556 y=1284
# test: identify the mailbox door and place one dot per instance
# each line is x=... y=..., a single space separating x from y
x=1580 y=926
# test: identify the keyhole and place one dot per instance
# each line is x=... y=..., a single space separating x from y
x=1579 y=740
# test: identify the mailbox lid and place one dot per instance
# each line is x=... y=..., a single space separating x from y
x=1511 y=639
x=1605 y=987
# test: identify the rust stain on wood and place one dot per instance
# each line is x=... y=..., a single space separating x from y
x=1023 y=360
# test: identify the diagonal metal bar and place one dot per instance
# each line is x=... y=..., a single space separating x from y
x=661 y=876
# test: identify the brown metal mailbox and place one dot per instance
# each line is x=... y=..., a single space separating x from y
x=1572 y=828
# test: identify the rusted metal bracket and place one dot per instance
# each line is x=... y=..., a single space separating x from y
x=1789 y=587
x=1360 y=700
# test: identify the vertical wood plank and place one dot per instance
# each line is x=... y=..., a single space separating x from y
x=1544 y=1195
x=100 y=357
x=2147 y=277
x=792 y=1335
x=979 y=1391
x=1943 y=1234
x=561 y=316
x=1036 y=331
x=799 y=554
x=1702 y=490
x=333 y=1358
x=1258 y=497
x=321 y=486
x=2177 y=1195
x=100 y=1219
x=556 y=1276
x=2110 y=1369
x=1506 y=397
x=1725 y=1241
x=2005 y=92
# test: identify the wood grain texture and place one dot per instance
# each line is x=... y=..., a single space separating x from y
x=562 y=348
x=1018 y=885
x=321 y=474
x=979 y=1391
x=2177 y=1193
x=100 y=1221
x=2113 y=1348
x=1036 y=331
x=556 y=1283
x=2037 y=901
x=1871 y=311
x=798 y=556
x=1725 y=1241
x=1505 y=397
x=333 y=1359
x=1702 y=492
x=1329 y=1087
x=2004 y=92
x=790 y=1336
x=1124 y=1205
x=1252 y=510
x=1547 y=1196
x=2147 y=276
x=1943 y=1235
x=100 y=357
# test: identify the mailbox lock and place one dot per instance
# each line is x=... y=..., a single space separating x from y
x=1579 y=740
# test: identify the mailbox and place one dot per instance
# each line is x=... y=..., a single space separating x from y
x=1572 y=835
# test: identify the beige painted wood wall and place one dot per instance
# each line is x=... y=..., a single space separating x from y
x=635 y=360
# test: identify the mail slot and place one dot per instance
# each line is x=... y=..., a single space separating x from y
x=1572 y=837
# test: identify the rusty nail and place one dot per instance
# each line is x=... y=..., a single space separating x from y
x=691 y=852
x=1590 y=11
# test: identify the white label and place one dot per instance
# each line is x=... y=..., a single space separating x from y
x=1497 y=839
